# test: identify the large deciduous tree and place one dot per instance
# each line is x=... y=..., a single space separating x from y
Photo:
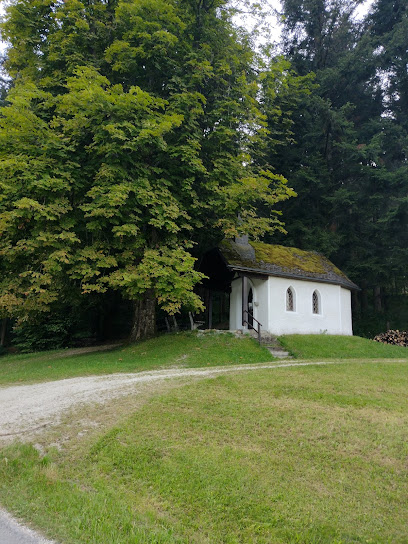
x=128 y=134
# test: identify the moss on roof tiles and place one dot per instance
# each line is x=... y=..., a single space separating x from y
x=276 y=259
x=293 y=258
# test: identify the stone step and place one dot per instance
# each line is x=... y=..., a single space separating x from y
x=271 y=343
x=279 y=353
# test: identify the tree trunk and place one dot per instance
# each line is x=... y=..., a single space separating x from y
x=378 y=300
x=364 y=300
x=144 y=318
x=3 y=331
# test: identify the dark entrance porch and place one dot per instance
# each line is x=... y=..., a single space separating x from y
x=215 y=290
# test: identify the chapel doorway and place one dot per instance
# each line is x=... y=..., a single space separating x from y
x=250 y=308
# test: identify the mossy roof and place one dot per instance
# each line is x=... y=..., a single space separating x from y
x=275 y=260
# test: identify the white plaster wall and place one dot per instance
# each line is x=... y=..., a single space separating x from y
x=260 y=294
x=236 y=305
x=334 y=317
x=260 y=290
x=346 y=316
x=270 y=307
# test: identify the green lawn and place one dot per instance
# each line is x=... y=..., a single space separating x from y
x=328 y=347
x=186 y=350
x=182 y=350
x=308 y=455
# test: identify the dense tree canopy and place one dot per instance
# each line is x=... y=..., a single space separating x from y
x=135 y=134
x=129 y=133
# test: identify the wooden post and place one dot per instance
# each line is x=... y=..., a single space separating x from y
x=210 y=308
x=206 y=305
x=167 y=324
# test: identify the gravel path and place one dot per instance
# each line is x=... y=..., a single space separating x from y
x=12 y=532
x=26 y=408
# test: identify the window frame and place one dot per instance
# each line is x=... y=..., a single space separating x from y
x=290 y=291
x=316 y=303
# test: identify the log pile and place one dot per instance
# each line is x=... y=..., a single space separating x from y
x=397 y=338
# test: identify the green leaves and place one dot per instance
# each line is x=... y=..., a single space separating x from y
x=168 y=272
x=134 y=130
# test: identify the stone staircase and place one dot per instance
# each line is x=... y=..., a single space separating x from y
x=271 y=343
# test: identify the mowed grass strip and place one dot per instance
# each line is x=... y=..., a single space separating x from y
x=328 y=347
x=189 y=350
x=290 y=455
x=175 y=350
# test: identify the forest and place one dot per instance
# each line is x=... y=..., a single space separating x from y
x=137 y=134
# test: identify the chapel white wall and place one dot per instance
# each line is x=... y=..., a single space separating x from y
x=334 y=316
x=236 y=305
x=270 y=307
x=261 y=310
x=260 y=294
x=346 y=314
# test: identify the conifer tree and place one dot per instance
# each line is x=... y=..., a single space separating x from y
x=349 y=163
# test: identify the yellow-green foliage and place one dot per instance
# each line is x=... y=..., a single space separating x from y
x=106 y=177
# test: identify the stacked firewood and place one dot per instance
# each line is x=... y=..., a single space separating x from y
x=397 y=338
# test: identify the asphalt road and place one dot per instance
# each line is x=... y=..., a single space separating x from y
x=11 y=532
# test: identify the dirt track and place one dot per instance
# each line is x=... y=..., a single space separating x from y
x=27 y=408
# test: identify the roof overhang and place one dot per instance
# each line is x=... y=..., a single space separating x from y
x=265 y=274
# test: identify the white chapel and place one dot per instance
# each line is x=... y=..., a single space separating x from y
x=279 y=290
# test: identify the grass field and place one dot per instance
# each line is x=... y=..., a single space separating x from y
x=186 y=350
x=175 y=350
x=306 y=455
x=328 y=347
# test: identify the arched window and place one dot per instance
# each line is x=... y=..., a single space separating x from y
x=290 y=300
x=316 y=302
